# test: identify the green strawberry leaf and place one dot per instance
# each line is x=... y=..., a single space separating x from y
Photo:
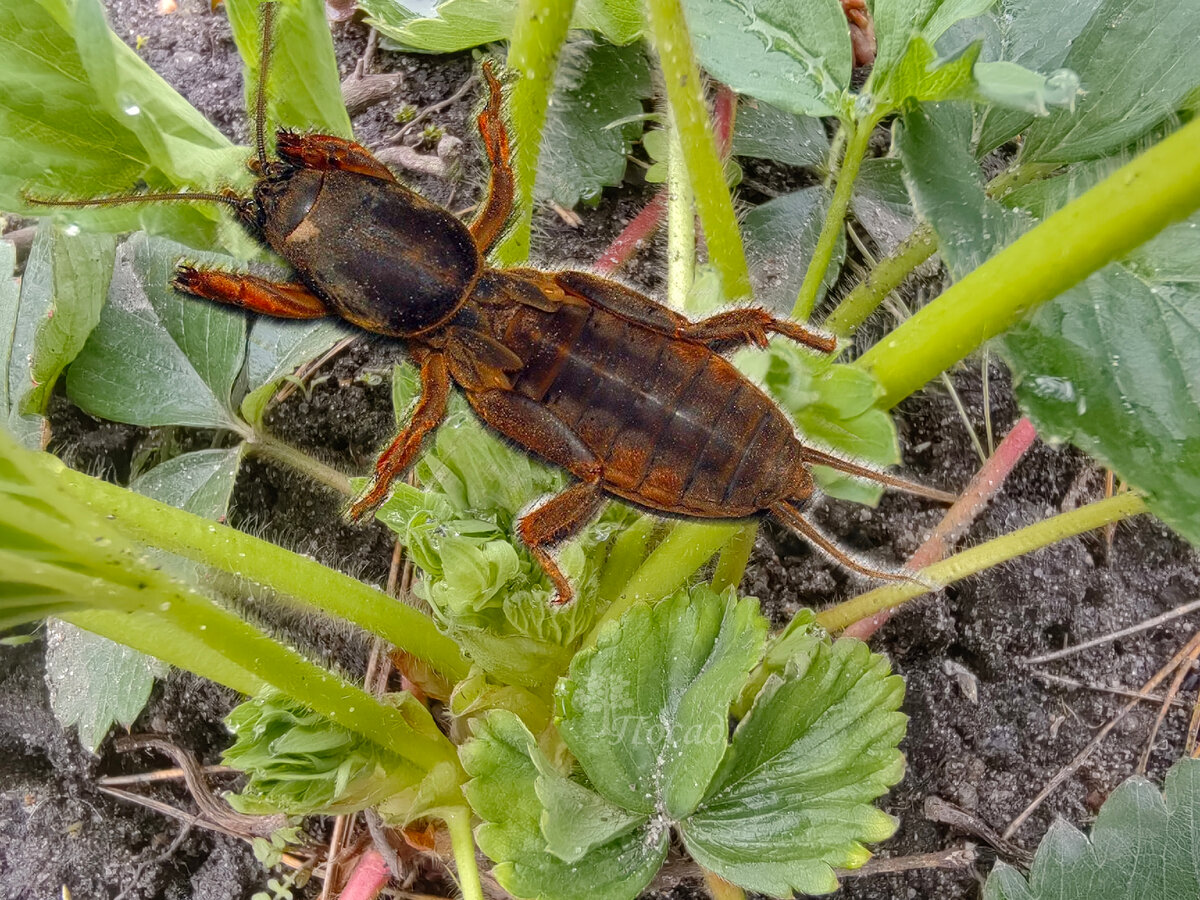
x=1144 y=845
x=646 y=711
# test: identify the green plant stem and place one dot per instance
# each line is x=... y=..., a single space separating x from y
x=687 y=547
x=835 y=219
x=731 y=564
x=538 y=35
x=305 y=580
x=161 y=638
x=861 y=302
x=628 y=552
x=182 y=610
x=1159 y=187
x=266 y=446
x=1001 y=549
x=681 y=223
x=462 y=842
x=685 y=93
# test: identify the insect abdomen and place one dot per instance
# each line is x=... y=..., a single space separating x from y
x=676 y=427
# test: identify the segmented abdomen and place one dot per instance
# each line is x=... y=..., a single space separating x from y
x=676 y=427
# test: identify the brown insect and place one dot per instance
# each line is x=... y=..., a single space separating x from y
x=631 y=398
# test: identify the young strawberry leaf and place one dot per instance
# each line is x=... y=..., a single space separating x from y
x=509 y=773
x=157 y=357
x=793 y=54
x=646 y=714
x=793 y=797
x=300 y=763
x=581 y=153
x=62 y=291
x=1136 y=63
x=646 y=711
x=881 y=202
x=1144 y=845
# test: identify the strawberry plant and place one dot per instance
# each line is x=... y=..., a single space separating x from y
x=578 y=741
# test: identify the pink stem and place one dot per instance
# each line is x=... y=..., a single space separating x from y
x=644 y=224
x=958 y=518
x=369 y=877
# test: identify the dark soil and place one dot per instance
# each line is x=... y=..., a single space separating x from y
x=985 y=734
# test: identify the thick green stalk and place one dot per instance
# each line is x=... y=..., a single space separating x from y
x=627 y=553
x=462 y=842
x=305 y=580
x=539 y=33
x=685 y=93
x=687 y=547
x=858 y=305
x=731 y=564
x=1001 y=549
x=835 y=219
x=1159 y=187
x=156 y=610
x=681 y=223
x=160 y=637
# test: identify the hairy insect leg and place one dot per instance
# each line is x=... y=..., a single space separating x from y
x=395 y=460
x=820 y=458
x=284 y=300
x=534 y=426
x=488 y=224
x=794 y=519
x=326 y=152
x=554 y=521
x=749 y=325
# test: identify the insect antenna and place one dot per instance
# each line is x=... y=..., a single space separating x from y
x=260 y=100
x=818 y=458
x=238 y=203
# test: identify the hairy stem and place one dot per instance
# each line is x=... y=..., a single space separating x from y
x=1159 y=187
x=861 y=302
x=306 y=581
x=537 y=38
x=705 y=171
x=264 y=445
x=731 y=564
x=687 y=547
x=458 y=821
x=681 y=223
x=1001 y=549
x=835 y=219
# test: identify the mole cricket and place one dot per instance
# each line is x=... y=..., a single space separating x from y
x=631 y=398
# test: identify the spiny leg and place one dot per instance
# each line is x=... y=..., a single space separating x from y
x=793 y=518
x=553 y=522
x=284 y=300
x=750 y=325
x=819 y=458
x=488 y=224
x=326 y=152
x=392 y=463
x=536 y=427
